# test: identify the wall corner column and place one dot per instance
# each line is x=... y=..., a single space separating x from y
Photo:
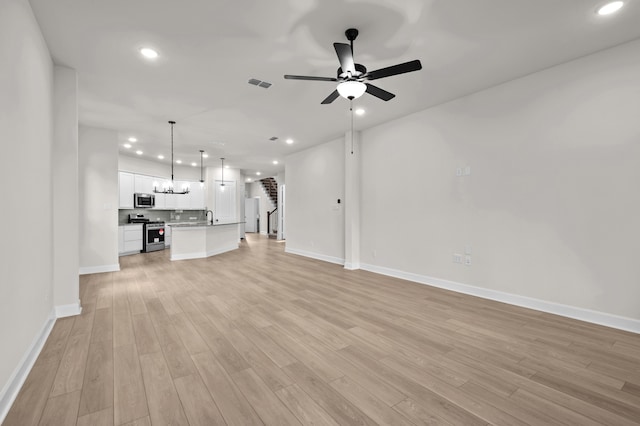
x=352 y=165
x=65 y=221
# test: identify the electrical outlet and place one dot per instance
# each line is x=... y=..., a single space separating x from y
x=467 y=260
x=459 y=171
x=467 y=171
x=457 y=258
x=374 y=253
x=467 y=249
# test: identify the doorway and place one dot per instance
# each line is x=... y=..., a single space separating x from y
x=252 y=214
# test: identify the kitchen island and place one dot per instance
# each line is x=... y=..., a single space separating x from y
x=196 y=241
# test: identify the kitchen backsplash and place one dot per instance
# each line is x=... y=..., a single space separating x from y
x=165 y=215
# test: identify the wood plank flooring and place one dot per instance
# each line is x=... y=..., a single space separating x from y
x=257 y=336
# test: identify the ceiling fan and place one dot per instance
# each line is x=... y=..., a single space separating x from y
x=353 y=77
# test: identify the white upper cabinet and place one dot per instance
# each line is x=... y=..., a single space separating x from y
x=126 y=187
x=197 y=196
x=183 y=201
x=144 y=184
x=131 y=183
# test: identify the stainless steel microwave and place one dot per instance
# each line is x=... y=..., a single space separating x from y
x=144 y=201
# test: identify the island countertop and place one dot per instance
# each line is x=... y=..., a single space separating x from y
x=200 y=224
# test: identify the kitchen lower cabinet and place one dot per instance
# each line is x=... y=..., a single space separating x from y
x=167 y=236
x=130 y=239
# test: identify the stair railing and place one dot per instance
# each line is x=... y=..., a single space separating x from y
x=272 y=217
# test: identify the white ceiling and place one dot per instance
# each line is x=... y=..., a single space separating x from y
x=209 y=49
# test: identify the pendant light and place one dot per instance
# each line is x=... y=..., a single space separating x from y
x=201 y=169
x=222 y=183
x=168 y=189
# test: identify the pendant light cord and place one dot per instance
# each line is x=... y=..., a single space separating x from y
x=201 y=166
x=172 y=123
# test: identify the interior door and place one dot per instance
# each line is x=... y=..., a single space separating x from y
x=251 y=209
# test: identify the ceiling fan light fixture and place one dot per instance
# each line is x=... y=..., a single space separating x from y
x=351 y=89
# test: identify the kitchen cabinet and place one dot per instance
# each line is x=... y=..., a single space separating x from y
x=130 y=183
x=126 y=187
x=197 y=196
x=167 y=236
x=131 y=239
x=144 y=184
x=171 y=201
x=183 y=201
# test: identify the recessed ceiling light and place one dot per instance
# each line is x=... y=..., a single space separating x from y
x=360 y=111
x=127 y=145
x=205 y=155
x=226 y=167
x=193 y=164
x=148 y=53
x=289 y=141
x=160 y=157
x=248 y=179
x=132 y=139
x=139 y=152
x=610 y=8
x=258 y=173
x=179 y=161
x=275 y=161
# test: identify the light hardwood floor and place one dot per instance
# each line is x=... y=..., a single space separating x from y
x=257 y=336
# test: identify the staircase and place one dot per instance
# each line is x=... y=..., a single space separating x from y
x=270 y=186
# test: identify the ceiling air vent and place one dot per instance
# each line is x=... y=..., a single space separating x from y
x=273 y=138
x=260 y=83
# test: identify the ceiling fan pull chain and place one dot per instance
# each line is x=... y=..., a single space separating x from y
x=351 y=109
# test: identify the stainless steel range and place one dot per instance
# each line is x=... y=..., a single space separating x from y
x=153 y=236
x=152 y=232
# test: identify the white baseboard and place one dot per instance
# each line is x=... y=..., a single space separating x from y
x=595 y=317
x=16 y=380
x=351 y=266
x=317 y=256
x=84 y=270
x=68 y=310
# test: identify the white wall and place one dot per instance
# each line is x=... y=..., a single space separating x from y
x=26 y=252
x=65 y=193
x=98 y=174
x=153 y=168
x=550 y=208
x=314 y=182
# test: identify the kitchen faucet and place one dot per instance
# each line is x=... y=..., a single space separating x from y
x=210 y=211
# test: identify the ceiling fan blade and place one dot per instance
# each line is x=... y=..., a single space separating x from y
x=345 y=55
x=379 y=93
x=332 y=97
x=307 y=77
x=394 y=70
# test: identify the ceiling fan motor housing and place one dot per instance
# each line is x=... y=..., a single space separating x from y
x=360 y=71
